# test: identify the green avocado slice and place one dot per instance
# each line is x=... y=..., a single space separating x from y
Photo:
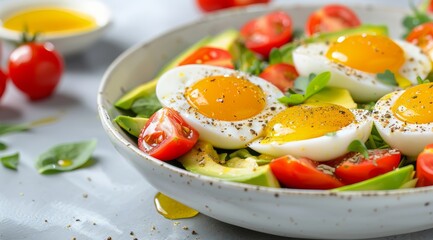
x=203 y=159
x=391 y=180
x=132 y=125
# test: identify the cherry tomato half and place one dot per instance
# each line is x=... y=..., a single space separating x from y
x=422 y=36
x=210 y=56
x=282 y=75
x=166 y=135
x=36 y=69
x=266 y=32
x=3 y=80
x=355 y=168
x=302 y=173
x=213 y=5
x=330 y=18
x=424 y=167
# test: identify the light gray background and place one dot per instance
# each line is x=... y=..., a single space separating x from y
x=119 y=201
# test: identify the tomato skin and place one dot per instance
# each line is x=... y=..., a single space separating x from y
x=282 y=75
x=330 y=18
x=213 y=5
x=422 y=36
x=353 y=167
x=210 y=56
x=269 y=31
x=3 y=81
x=36 y=69
x=424 y=167
x=302 y=173
x=166 y=136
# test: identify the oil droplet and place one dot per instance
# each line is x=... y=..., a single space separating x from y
x=171 y=208
x=64 y=162
x=44 y=121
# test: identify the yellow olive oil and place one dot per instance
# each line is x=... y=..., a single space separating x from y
x=49 y=20
x=171 y=208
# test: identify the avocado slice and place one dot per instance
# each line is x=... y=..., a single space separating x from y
x=132 y=125
x=223 y=40
x=399 y=178
x=287 y=49
x=203 y=159
x=334 y=95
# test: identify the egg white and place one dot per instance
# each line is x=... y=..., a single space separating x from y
x=322 y=148
x=170 y=91
x=363 y=86
x=409 y=138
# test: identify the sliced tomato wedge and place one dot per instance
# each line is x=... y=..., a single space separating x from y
x=353 y=167
x=166 y=135
x=424 y=167
x=213 y=5
x=3 y=80
x=422 y=36
x=210 y=56
x=330 y=18
x=302 y=173
x=266 y=32
x=282 y=75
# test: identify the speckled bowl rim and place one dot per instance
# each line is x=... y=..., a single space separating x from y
x=282 y=192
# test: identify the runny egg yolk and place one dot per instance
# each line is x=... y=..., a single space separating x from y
x=368 y=53
x=415 y=105
x=226 y=98
x=307 y=121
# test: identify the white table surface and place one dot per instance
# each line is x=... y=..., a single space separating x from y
x=119 y=201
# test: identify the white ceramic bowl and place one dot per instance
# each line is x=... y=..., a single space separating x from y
x=285 y=212
x=65 y=43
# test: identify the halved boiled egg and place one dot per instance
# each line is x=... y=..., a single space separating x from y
x=228 y=108
x=355 y=61
x=319 y=131
x=404 y=118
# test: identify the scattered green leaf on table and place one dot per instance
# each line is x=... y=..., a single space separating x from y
x=358 y=146
x=65 y=157
x=3 y=146
x=10 y=161
x=11 y=128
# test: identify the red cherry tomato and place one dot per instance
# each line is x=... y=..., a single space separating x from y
x=422 y=36
x=424 y=167
x=355 y=168
x=302 y=173
x=210 y=56
x=213 y=5
x=266 y=32
x=3 y=80
x=282 y=75
x=166 y=135
x=331 y=18
x=36 y=69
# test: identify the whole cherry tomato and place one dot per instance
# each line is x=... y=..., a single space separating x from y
x=36 y=69
x=424 y=167
x=422 y=36
x=166 y=135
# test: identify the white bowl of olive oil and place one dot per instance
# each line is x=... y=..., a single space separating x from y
x=71 y=25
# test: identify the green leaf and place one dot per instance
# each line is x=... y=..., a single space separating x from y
x=418 y=17
x=358 y=146
x=65 y=157
x=3 y=146
x=317 y=83
x=387 y=78
x=422 y=81
x=10 y=161
x=275 y=56
x=11 y=128
x=293 y=99
x=145 y=107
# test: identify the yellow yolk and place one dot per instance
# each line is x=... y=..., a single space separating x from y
x=368 y=53
x=415 y=105
x=226 y=98
x=307 y=121
x=49 y=20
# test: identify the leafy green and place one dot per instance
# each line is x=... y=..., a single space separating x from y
x=358 y=146
x=3 y=146
x=65 y=157
x=418 y=17
x=367 y=106
x=387 y=78
x=246 y=60
x=375 y=141
x=145 y=107
x=275 y=56
x=315 y=85
x=422 y=81
x=10 y=161
x=11 y=128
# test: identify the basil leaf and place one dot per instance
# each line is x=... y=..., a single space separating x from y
x=147 y=106
x=317 y=83
x=10 y=161
x=275 y=56
x=3 y=146
x=10 y=128
x=422 y=81
x=292 y=99
x=358 y=146
x=387 y=78
x=65 y=157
